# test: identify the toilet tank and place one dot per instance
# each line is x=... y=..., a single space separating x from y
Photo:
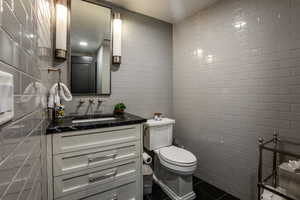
x=158 y=134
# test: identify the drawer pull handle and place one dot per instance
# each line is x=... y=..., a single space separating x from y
x=91 y=160
x=115 y=197
x=105 y=176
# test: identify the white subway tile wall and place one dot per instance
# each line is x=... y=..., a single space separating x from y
x=144 y=80
x=236 y=78
x=24 y=32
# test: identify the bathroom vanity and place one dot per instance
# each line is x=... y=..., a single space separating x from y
x=98 y=156
x=95 y=159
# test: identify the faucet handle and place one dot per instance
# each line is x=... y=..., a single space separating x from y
x=91 y=100
x=81 y=101
x=100 y=100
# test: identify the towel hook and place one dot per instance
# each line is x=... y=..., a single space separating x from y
x=52 y=69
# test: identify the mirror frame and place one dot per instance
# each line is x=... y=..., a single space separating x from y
x=69 y=68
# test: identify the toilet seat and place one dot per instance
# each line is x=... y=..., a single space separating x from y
x=177 y=156
x=177 y=159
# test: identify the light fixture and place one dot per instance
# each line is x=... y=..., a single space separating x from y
x=117 y=39
x=82 y=43
x=61 y=29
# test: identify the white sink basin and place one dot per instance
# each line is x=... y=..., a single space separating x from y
x=94 y=120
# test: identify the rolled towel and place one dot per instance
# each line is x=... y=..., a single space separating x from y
x=294 y=165
x=147 y=159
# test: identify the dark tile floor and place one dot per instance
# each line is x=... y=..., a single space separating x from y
x=203 y=190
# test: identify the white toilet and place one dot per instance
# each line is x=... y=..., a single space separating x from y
x=173 y=166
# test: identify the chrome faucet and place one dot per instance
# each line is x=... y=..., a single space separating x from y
x=100 y=101
x=92 y=101
x=81 y=101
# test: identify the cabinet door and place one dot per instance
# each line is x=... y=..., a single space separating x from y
x=96 y=177
x=91 y=158
x=81 y=140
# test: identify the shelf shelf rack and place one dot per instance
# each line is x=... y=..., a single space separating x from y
x=278 y=148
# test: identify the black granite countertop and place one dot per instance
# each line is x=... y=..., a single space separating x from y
x=65 y=124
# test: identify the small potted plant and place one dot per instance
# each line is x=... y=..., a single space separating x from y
x=119 y=108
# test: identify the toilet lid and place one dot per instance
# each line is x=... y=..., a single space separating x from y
x=177 y=155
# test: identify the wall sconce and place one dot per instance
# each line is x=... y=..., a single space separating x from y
x=61 y=29
x=117 y=39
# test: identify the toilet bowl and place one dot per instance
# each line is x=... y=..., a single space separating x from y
x=177 y=159
x=173 y=166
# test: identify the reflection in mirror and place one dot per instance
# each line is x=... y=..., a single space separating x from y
x=90 y=48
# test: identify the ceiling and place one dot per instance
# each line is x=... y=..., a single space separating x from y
x=90 y=24
x=171 y=11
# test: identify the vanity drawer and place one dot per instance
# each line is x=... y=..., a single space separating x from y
x=84 y=180
x=123 y=192
x=80 y=140
x=91 y=158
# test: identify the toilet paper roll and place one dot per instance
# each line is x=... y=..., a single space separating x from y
x=147 y=159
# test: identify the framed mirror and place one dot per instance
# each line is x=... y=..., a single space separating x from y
x=90 y=41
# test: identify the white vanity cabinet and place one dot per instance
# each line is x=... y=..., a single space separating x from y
x=104 y=163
